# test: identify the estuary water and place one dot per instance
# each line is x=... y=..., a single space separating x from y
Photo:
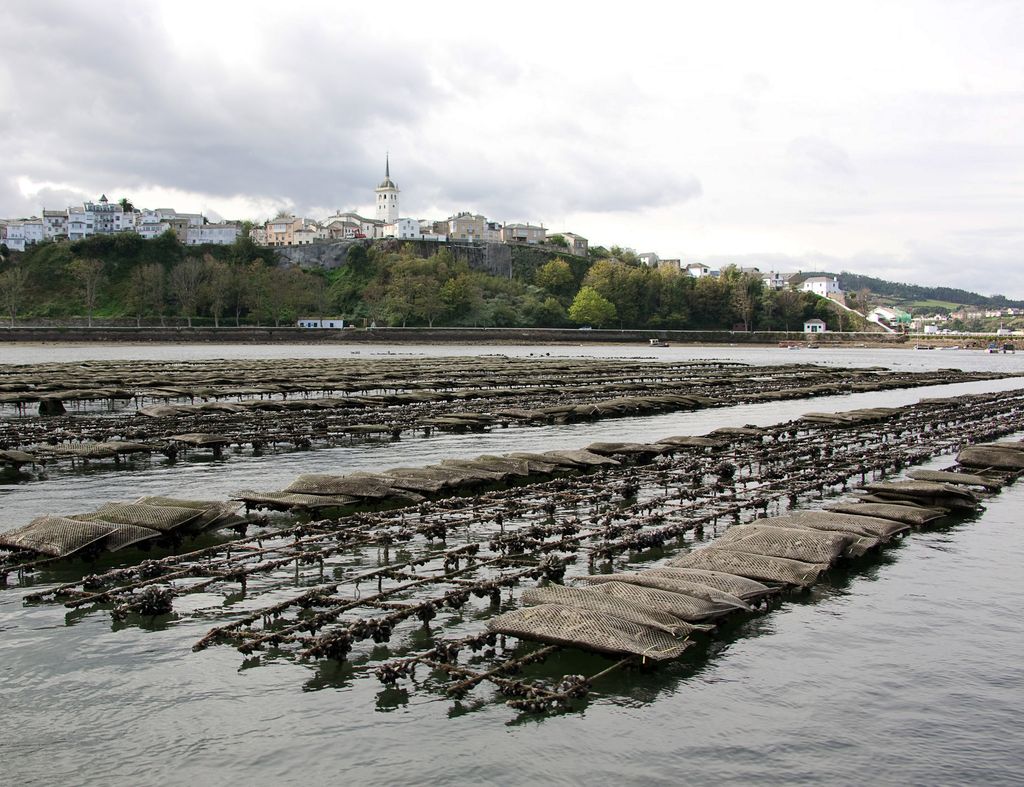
x=904 y=670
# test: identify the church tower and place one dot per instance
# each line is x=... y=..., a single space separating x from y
x=387 y=196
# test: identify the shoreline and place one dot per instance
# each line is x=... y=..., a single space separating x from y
x=486 y=336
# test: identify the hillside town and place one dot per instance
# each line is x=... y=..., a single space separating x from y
x=466 y=227
x=104 y=217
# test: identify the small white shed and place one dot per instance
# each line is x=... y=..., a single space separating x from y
x=815 y=326
x=326 y=322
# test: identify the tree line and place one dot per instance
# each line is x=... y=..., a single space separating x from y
x=386 y=284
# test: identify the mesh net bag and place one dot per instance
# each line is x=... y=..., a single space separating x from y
x=741 y=587
x=982 y=456
x=896 y=500
x=686 y=441
x=356 y=486
x=500 y=464
x=633 y=449
x=689 y=608
x=859 y=525
x=927 y=492
x=797 y=543
x=588 y=598
x=56 y=536
x=212 y=513
x=760 y=567
x=126 y=535
x=908 y=515
x=201 y=439
x=474 y=472
x=672 y=585
x=586 y=629
x=127 y=447
x=285 y=501
x=161 y=411
x=413 y=479
x=948 y=477
x=162 y=518
x=583 y=458
x=858 y=540
x=86 y=451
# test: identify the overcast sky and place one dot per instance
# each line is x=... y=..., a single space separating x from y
x=880 y=138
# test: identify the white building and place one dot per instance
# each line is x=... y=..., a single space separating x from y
x=815 y=326
x=352 y=225
x=80 y=224
x=825 y=286
x=649 y=258
x=433 y=230
x=16 y=234
x=774 y=280
x=698 y=269
x=405 y=229
x=387 y=197
x=317 y=322
x=222 y=234
x=106 y=218
x=55 y=223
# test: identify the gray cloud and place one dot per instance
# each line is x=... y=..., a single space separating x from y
x=113 y=103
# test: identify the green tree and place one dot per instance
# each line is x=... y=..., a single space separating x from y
x=186 y=284
x=146 y=291
x=791 y=307
x=286 y=294
x=462 y=296
x=216 y=287
x=256 y=297
x=427 y=302
x=90 y=275
x=238 y=290
x=746 y=297
x=556 y=277
x=244 y=249
x=628 y=287
x=13 y=284
x=590 y=308
x=712 y=303
x=547 y=313
x=356 y=258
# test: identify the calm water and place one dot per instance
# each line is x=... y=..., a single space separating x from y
x=906 y=671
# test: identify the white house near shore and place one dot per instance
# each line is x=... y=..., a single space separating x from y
x=318 y=322
x=815 y=326
x=824 y=287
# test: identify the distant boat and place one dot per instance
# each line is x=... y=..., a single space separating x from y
x=658 y=343
x=923 y=347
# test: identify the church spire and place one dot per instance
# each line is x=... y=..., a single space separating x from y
x=387 y=165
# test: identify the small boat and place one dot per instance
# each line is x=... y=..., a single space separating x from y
x=658 y=343
x=923 y=347
x=992 y=348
